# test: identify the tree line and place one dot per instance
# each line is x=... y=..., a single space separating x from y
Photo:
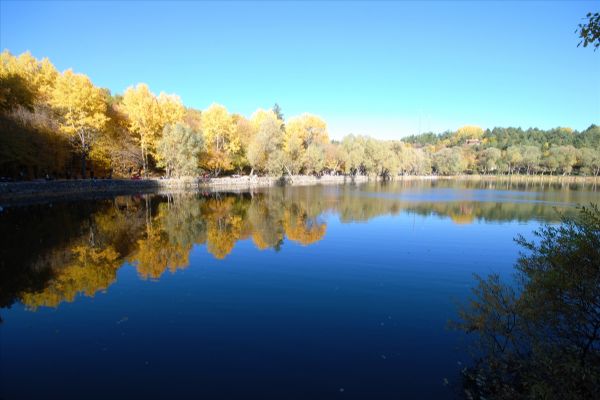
x=60 y=125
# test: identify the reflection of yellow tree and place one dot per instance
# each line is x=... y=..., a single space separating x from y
x=157 y=233
x=120 y=225
x=260 y=241
x=156 y=253
x=169 y=238
x=222 y=235
x=462 y=219
x=463 y=214
x=90 y=270
x=86 y=259
x=301 y=229
x=264 y=218
x=224 y=224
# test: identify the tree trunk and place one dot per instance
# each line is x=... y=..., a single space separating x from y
x=144 y=160
x=289 y=173
x=83 y=157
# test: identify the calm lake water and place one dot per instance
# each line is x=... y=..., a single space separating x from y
x=305 y=292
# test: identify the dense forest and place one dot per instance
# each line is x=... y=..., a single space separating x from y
x=60 y=125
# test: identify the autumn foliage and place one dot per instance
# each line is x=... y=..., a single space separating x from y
x=60 y=125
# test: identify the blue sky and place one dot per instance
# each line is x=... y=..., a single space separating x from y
x=387 y=69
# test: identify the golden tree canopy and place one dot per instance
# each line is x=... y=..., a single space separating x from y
x=261 y=115
x=220 y=139
x=39 y=75
x=81 y=105
x=148 y=115
x=309 y=128
x=469 y=132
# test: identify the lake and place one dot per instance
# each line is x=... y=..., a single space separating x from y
x=296 y=292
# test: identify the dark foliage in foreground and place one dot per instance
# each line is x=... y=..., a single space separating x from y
x=541 y=338
x=589 y=32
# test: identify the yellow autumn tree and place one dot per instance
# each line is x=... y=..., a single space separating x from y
x=148 y=115
x=220 y=142
x=310 y=128
x=292 y=153
x=242 y=134
x=266 y=139
x=333 y=159
x=171 y=109
x=261 y=115
x=301 y=133
x=81 y=109
x=116 y=151
x=31 y=141
x=38 y=75
x=469 y=132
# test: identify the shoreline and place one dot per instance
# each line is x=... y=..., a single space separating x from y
x=43 y=191
x=32 y=192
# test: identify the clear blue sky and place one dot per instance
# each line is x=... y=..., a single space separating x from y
x=386 y=69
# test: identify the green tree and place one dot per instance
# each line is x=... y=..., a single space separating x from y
x=590 y=161
x=179 y=150
x=561 y=159
x=380 y=158
x=266 y=142
x=513 y=158
x=541 y=338
x=279 y=114
x=353 y=154
x=314 y=158
x=489 y=160
x=449 y=161
x=530 y=158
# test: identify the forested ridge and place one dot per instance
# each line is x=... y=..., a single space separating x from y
x=60 y=125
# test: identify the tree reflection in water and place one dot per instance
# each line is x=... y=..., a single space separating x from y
x=52 y=253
